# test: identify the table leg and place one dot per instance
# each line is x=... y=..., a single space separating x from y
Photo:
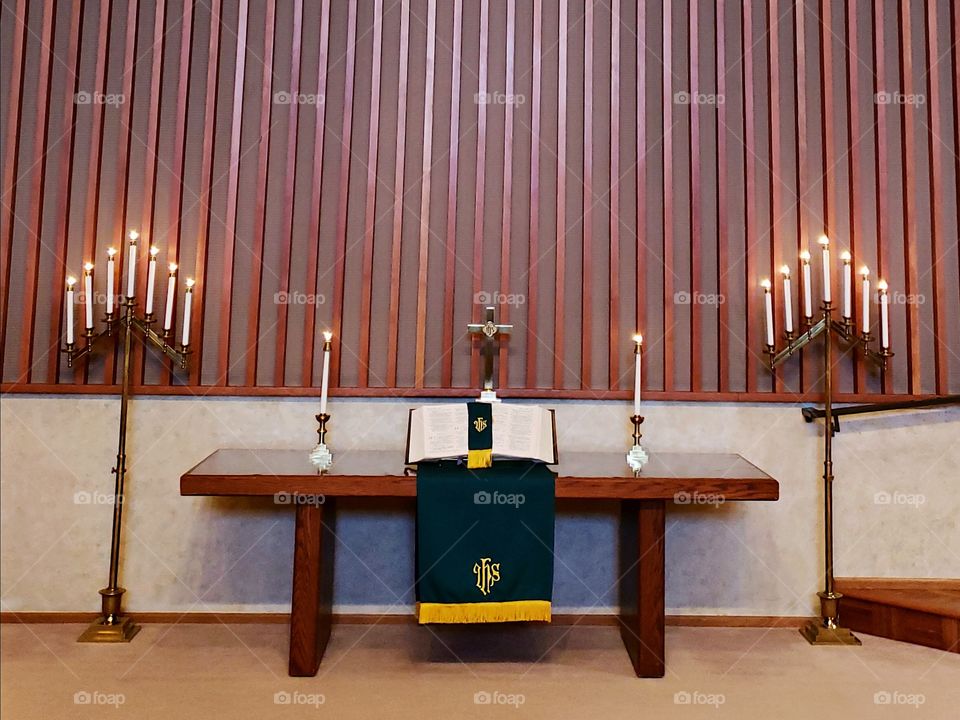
x=642 y=584
x=310 y=612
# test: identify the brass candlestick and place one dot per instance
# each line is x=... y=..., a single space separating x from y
x=322 y=420
x=827 y=629
x=637 y=457
x=112 y=625
x=637 y=420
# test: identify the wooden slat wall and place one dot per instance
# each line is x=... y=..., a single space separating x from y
x=562 y=161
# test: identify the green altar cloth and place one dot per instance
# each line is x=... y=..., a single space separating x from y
x=484 y=542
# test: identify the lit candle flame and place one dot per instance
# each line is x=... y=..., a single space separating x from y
x=172 y=267
x=88 y=267
x=190 y=283
x=153 y=251
x=865 y=271
x=638 y=339
x=133 y=235
x=846 y=256
x=111 y=251
x=327 y=335
x=71 y=281
x=765 y=284
x=823 y=240
x=805 y=256
x=882 y=286
x=785 y=270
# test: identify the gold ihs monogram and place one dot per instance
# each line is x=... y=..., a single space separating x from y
x=480 y=424
x=487 y=574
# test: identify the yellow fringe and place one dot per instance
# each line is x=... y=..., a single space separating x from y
x=492 y=612
x=479 y=458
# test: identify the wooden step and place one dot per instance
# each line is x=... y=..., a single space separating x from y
x=920 y=611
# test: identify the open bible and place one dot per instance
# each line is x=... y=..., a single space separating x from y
x=439 y=432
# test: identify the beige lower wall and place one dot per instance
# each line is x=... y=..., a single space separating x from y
x=897 y=506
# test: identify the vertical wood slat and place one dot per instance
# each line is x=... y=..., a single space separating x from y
x=122 y=172
x=175 y=227
x=450 y=238
x=908 y=155
x=613 y=319
x=151 y=147
x=882 y=159
x=828 y=142
x=10 y=165
x=775 y=149
x=668 y=121
x=507 y=203
x=955 y=74
x=393 y=328
x=211 y=93
x=586 y=320
x=533 y=284
x=641 y=201
x=750 y=187
x=561 y=256
x=289 y=186
x=477 y=265
x=64 y=192
x=260 y=206
x=723 y=240
x=38 y=171
x=91 y=211
x=696 y=210
x=853 y=170
x=233 y=179
x=423 y=257
x=802 y=179
x=937 y=180
x=369 y=219
x=316 y=188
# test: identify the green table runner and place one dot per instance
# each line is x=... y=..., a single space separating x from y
x=484 y=542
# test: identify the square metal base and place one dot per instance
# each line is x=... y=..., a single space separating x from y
x=100 y=631
x=817 y=633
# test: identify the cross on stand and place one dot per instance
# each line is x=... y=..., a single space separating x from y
x=488 y=329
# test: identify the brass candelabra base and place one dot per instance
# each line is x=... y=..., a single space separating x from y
x=827 y=630
x=112 y=626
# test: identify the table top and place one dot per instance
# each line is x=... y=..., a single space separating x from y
x=372 y=473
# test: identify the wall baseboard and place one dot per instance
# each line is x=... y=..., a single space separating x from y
x=209 y=618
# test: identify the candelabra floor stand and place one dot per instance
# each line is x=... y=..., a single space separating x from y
x=826 y=630
x=112 y=626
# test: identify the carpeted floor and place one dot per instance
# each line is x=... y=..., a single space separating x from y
x=403 y=671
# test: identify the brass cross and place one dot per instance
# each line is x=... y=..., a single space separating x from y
x=488 y=329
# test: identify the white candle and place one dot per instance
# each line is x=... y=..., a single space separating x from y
x=327 y=337
x=71 y=281
x=111 y=270
x=807 y=291
x=88 y=294
x=847 y=310
x=638 y=339
x=787 y=299
x=865 y=274
x=768 y=306
x=187 y=302
x=151 y=279
x=171 y=291
x=132 y=265
x=884 y=318
x=825 y=248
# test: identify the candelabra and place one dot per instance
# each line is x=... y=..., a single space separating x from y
x=112 y=625
x=827 y=629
